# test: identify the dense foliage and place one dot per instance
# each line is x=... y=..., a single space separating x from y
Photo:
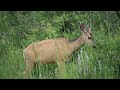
x=18 y=29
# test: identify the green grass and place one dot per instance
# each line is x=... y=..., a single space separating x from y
x=102 y=62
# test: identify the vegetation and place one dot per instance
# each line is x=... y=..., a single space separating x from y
x=18 y=29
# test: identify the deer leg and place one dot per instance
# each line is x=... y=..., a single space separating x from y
x=61 y=68
x=29 y=66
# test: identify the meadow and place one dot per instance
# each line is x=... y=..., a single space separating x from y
x=18 y=29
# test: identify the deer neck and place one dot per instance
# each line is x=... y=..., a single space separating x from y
x=76 y=44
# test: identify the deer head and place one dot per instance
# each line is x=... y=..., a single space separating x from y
x=87 y=35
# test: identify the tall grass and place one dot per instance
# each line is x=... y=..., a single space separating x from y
x=102 y=62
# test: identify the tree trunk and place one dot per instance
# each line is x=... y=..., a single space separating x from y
x=118 y=13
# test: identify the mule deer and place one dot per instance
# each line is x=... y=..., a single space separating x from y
x=55 y=50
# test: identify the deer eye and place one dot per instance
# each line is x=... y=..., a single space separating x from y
x=89 y=38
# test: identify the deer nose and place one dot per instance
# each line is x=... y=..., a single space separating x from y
x=94 y=46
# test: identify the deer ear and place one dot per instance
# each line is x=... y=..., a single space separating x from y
x=82 y=27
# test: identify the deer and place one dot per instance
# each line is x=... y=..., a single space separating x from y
x=57 y=50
